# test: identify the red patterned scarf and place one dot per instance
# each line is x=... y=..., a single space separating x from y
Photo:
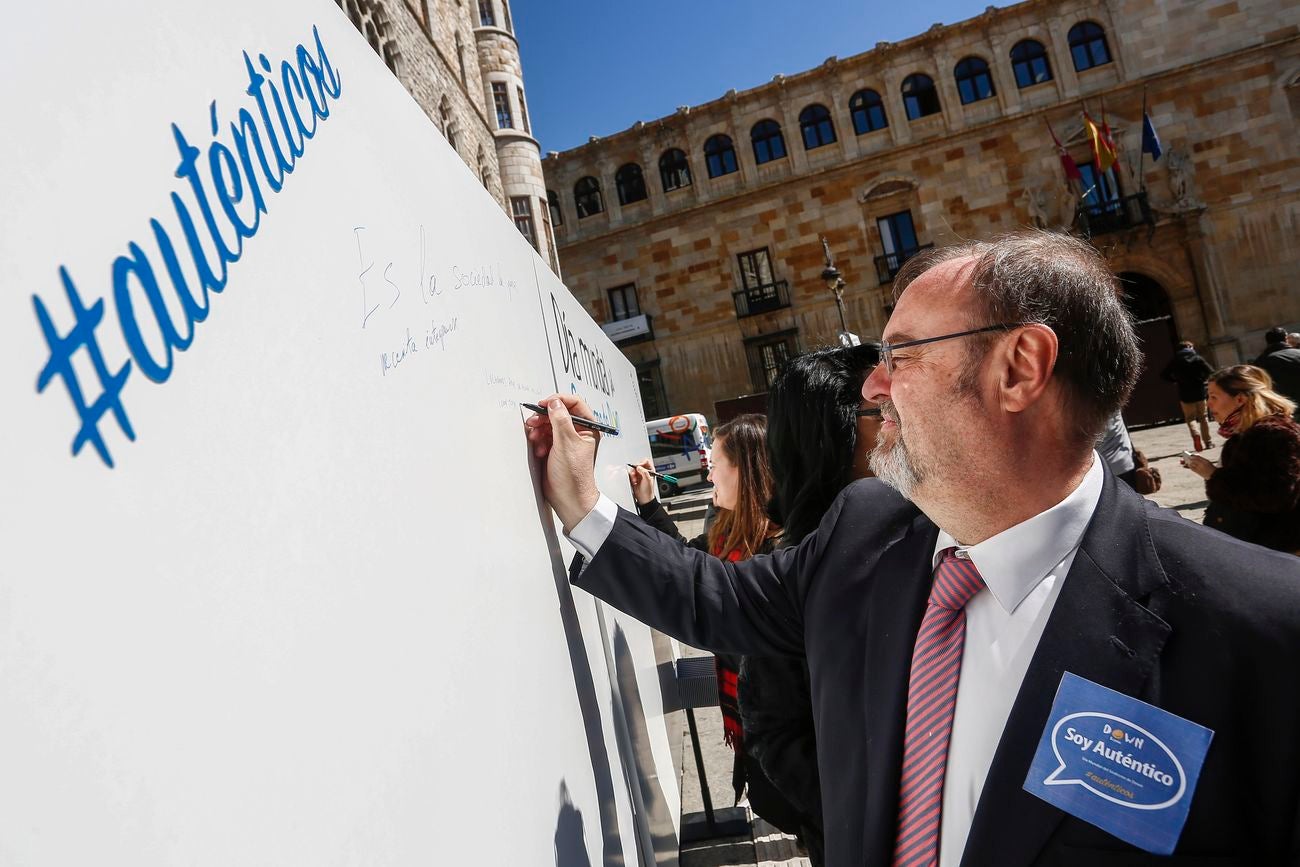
x=1228 y=426
x=733 y=733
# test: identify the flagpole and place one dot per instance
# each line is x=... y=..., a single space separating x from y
x=1142 y=151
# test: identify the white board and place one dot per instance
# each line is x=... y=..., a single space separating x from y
x=314 y=612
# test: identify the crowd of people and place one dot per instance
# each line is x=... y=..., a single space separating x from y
x=1003 y=371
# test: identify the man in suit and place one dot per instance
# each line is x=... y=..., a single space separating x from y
x=939 y=614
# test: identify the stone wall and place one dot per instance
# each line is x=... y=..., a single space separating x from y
x=427 y=44
x=1223 y=246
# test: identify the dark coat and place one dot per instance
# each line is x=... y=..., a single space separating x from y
x=1189 y=372
x=1283 y=364
x=762 y=692
x=1154 y=606
x=1255 y=493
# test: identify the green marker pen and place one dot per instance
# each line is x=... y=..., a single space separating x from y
x=665 y=477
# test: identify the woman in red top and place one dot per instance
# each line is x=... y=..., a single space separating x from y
x=742 y=487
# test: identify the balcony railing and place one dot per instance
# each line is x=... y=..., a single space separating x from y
x=753 y=300
x=888 y=265
x=1115 y=216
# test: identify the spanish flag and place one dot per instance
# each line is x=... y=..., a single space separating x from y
x=1104 y=151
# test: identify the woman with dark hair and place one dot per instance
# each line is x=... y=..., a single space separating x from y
x=1254 y=493
x=742 y=487
x=820 y=433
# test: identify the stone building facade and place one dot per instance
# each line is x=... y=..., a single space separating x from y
x=459 y=59
x=696 y=237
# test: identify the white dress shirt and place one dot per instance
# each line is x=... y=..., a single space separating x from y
x=1022 y=568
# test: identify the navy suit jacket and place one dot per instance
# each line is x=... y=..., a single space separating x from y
x=1154 y=606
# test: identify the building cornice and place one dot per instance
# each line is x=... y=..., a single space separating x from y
x=510 y=136
x=882 y=51
x=493 y=30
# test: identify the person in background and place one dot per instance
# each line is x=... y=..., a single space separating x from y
x=1189 y=371
x=1282 y=362
x=820 y=433
x=1293 y=340
x=742 y=487
x=1116 y=449
x=1255 y=494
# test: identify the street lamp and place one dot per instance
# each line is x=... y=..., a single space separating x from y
x=835 y=282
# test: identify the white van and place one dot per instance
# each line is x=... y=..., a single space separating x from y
x=679 y=446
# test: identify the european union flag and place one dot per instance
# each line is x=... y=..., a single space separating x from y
x=1150 y=141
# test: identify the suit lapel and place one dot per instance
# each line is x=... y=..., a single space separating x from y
x=898 y=600
x=1098 y=630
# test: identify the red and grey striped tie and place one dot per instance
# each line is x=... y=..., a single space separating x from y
x=931 y=699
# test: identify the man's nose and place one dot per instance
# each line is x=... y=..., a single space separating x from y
x=876 y=388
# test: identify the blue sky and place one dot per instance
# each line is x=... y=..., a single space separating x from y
x=594 y=67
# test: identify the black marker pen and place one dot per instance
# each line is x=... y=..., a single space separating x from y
x=585 y=422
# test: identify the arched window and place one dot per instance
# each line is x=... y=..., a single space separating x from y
x=974 y=82
x=586 y=197
x=868 y=111
x=630 y=183
x=674 y=170
x=484 y=170
x=448 y=122
x=816 y=126
x=719 y=155
x=1088 y=45
x=920 y=96
x=372 y=21
x=553 y=202
x=768 y=142
x=1029 y=63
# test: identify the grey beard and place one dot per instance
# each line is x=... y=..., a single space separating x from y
x=894 y=466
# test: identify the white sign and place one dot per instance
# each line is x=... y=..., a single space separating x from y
x=276 y=585
x=626 y=329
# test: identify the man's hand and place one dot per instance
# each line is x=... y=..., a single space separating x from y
x=568 y=454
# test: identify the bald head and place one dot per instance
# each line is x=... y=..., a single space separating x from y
x=1045 y=278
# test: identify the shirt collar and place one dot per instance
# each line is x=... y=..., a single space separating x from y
x=1015 y=561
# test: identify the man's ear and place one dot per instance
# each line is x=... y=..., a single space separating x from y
x=1027 y=357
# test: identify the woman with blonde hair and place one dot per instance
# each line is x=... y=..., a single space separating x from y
x=1254 y=493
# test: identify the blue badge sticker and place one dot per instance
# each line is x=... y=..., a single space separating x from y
x=1118 y=763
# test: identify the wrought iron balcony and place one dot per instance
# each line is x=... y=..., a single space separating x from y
x=888 y=265
x=753 y=300
x=1115 y=216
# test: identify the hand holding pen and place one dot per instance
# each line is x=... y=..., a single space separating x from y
x=564 y=439
x=642 y=478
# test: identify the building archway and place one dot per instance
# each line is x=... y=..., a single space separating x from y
x=1154 y=401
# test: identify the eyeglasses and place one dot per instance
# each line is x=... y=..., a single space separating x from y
x=887 y=349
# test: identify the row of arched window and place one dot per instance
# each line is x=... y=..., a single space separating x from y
x=1029 y=64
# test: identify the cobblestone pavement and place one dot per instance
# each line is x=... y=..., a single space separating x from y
x=1181 y=489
